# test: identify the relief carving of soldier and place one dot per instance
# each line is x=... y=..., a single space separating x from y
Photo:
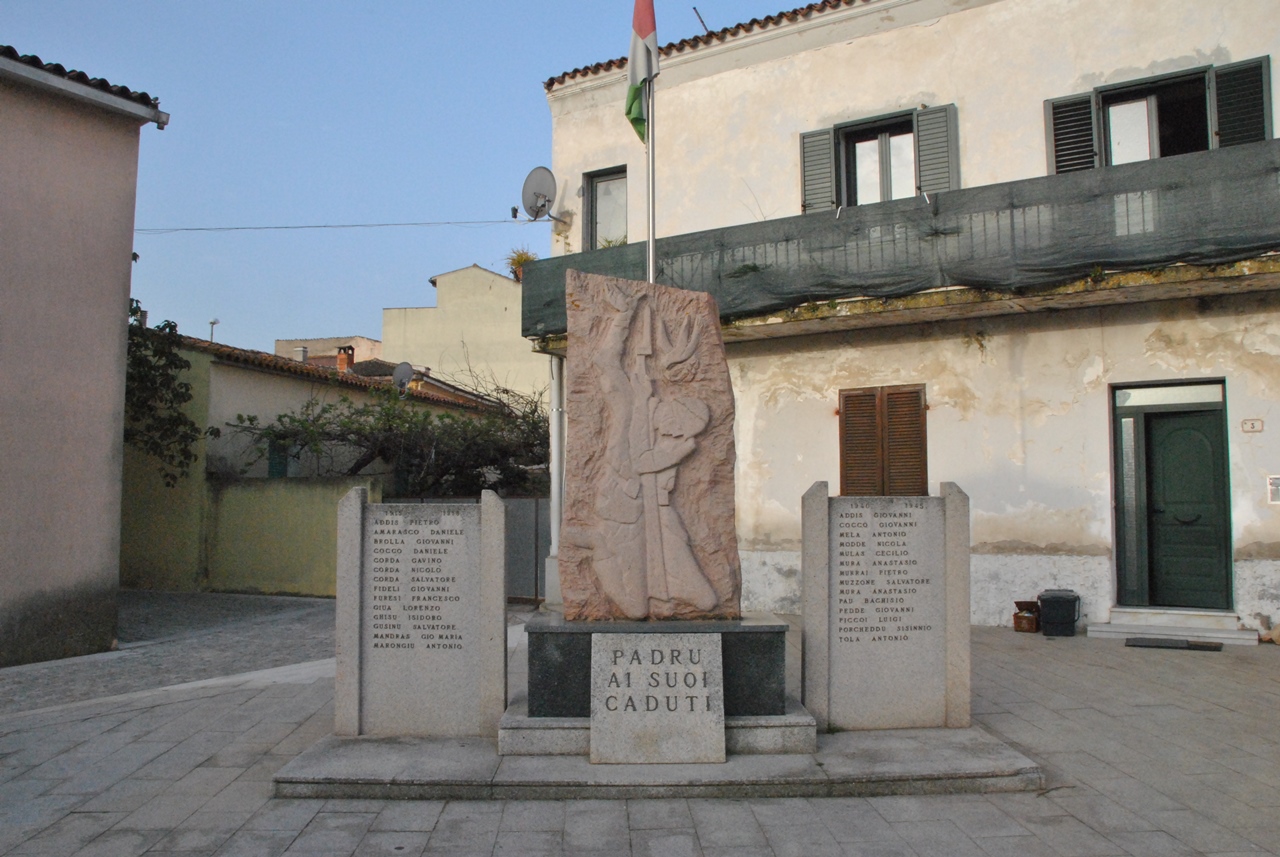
x=642 y=418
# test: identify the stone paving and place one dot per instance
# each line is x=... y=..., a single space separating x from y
x=1147 y=751
x=171 y=637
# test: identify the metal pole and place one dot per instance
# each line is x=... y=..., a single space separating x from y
x=557 y=449
x=651 y=260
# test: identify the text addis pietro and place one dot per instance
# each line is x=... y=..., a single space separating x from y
x=421 y=601
x=410 y=586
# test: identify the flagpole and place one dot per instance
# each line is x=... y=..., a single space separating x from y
x=651 y=259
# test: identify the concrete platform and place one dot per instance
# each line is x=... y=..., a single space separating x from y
x=894 y=762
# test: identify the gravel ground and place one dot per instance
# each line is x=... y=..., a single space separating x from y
x=172 y=637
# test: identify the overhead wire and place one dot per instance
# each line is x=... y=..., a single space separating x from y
x=166 y=231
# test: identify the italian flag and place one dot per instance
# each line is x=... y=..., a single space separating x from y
x=642 y=65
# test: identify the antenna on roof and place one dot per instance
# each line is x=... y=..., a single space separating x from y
x=539 y=193
x=700 y=21
x=401 y=376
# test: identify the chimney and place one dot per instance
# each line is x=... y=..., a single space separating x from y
x=346 y=358
x=301 y=352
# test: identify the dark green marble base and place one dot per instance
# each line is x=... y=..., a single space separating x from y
x=754 y=651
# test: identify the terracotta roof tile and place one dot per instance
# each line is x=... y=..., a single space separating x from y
x=710 y=38
x=272 y=363
x=59 y=70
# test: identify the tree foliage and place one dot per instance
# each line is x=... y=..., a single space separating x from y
x=503 y=447
x=155 y=422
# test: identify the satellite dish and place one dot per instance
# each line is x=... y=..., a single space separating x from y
x=539 y=192
x=402 y=375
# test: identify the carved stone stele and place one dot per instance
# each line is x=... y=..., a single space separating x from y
x=648 y=529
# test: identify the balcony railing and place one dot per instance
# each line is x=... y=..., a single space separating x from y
x=1205 y=208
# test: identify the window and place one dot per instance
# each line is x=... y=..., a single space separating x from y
x=892 y=157
x=1160 y=117
x=606 y=208
x=879 y=163
x=882 y=442
x=277 y=459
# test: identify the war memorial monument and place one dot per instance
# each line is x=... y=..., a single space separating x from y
x=652 y=682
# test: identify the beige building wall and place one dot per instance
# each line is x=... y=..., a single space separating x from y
x=729 y=116
x=67 y=185
x=473 y=331
x=1019 y=417
x=235 y=389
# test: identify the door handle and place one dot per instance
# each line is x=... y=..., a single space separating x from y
x=1158 y=511
x=1186 y=521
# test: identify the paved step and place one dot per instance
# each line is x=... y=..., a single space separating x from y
x=1222 y=620
x=1116 y=630
x=889 y=762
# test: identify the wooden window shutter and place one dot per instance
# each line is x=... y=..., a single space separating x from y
x=882 y=442
x=1242 y=99
x=818 y=171
x=904 y=441
x=860 y=443
x=937 y=149
x=1072 y=140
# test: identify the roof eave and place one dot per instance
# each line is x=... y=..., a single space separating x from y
x=14 y=71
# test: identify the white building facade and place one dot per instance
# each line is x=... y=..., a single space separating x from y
x=1026 y=246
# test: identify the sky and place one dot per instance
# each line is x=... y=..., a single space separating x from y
x=291 y=113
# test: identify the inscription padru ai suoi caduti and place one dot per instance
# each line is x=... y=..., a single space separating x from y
x=655 y=680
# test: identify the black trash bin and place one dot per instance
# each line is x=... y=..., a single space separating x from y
x=1059 y=612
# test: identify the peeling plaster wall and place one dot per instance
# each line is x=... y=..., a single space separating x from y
x=729 y=116
x=1019 y=417
x=771 y=581
x=997 y=580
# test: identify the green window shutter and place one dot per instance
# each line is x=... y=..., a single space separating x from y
x=1072 y=142
x=860 y=444
x=906 y=471
x=937 y=149
x=818 y=171
x=277 y=459
x=1242 y=99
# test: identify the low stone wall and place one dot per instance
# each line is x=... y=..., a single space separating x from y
x=276 y=536
x=270 y=536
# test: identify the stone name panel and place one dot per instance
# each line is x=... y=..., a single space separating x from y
x=887 y=612
x=657 y=698
x=418 y=619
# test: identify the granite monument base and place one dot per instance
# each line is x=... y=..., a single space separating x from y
x=554 y=718
x=754 y=652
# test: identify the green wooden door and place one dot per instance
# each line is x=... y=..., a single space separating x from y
x=1187 y=510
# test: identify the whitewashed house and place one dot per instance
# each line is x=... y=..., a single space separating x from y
x=1026 y=246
